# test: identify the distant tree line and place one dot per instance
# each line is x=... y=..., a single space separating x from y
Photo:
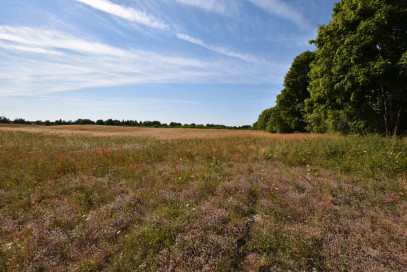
x=355 y=82
x=128 y=123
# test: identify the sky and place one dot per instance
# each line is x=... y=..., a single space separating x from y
x=187 y=61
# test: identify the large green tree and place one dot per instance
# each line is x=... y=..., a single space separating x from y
x=359 y=76
x=288 y=114
x=264 y=117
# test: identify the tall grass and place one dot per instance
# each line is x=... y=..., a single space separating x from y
x=241 y=203
x=369 y=156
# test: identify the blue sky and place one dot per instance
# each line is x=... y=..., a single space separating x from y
x=189 y=61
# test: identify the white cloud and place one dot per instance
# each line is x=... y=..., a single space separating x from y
x=219 y=6
x=97 y=64
x=125 y=13
x=30 y=49
x=87 y=101
x=40 y=41
x=217 y=49
x=283 y=10
x=35 y=40
x=50 y=61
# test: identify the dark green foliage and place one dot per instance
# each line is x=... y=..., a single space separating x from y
x=151 y=124
x=288 y=115
x=111 y=122
x=84 y=122
x=175 y=124
x=216 y=126
x=264 y=117
x=4 y=120
x=129 y=123
x=359 y=77
x=20 y=121
x=278 y=120
x=56 y=122
x=100 y=122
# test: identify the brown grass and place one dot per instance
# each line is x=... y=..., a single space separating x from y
x=158 y=133
x=226 y=203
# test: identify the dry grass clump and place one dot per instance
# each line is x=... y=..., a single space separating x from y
x=86 y=203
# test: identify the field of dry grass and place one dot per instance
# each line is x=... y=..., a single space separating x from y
x=158 y=133
x=89 y=198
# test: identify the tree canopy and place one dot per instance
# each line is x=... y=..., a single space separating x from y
x=261 y=123
x=288 y=114
x=356 y=81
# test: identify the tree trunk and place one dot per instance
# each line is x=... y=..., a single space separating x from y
x=387 y=115
x=393 y=111
x=398 y=120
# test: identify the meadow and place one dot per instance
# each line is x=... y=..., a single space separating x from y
x=90 y=198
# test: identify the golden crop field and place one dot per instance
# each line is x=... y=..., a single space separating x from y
x=99 y=198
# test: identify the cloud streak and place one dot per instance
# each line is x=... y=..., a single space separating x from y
x=69 y=63
x=36 y=40
x=125 y=13
x=217 y=6
x=29 y=49
x=283 y=10
x=40 y=41
x=217 y=49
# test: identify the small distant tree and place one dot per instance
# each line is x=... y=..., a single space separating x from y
x=245 y=127
x=4 y=120
x=20 y=121
x=192 y=125
x=151 y=124
x=130 y=123
x=175 y=124
x=109 y=122
x=85 y=122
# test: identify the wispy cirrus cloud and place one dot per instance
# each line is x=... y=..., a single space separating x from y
x=69 y=63
x=50 y=61
x=37 y=40
x=40 y=41
x=224 y=7
x=219 y=6
x=283 y=10
x=31 y=49
x=125 y=13
x=217 y=49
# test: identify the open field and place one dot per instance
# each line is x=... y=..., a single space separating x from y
x=89 y=198
x=158 y=133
